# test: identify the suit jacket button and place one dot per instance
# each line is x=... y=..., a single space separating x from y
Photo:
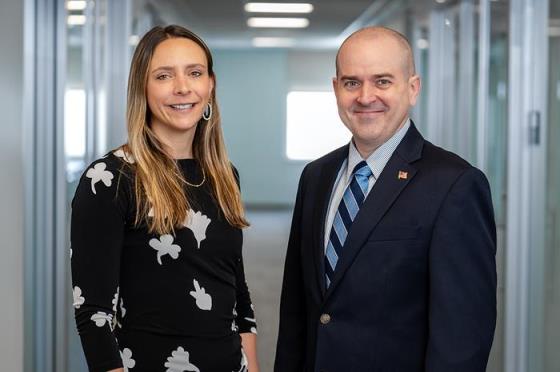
x=325 y=318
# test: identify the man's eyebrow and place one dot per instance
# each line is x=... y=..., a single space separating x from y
x=383 y=75
x=349 y=77
x=376 y=76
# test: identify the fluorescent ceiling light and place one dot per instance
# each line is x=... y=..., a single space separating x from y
x=278 y=22
x=76 y=5
x=76 y=20
x=272 y=42
x=278 y=8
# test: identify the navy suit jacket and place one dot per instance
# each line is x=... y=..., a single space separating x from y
x=415 y=287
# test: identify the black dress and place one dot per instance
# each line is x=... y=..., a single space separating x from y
x=147 y=302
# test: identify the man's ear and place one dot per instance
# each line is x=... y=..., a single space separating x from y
x=414 y=86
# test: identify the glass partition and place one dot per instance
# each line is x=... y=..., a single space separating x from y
x=551 y=336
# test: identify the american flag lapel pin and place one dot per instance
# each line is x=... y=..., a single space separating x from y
x=402 y=175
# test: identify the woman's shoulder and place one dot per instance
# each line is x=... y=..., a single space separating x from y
x=117 y=162
x=115 y=168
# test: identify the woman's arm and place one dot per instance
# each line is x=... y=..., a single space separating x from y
x=249 y=344
x=97 y=231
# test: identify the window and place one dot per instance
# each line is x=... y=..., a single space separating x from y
x=313 y=125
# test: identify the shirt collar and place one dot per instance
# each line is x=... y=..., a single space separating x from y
x=379 y=158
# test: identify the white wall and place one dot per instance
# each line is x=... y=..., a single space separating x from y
x=252 y=88
x=11 y=187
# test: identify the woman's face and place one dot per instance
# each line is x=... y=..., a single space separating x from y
x=178 y=88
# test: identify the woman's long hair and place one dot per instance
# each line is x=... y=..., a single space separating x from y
x=159 y=186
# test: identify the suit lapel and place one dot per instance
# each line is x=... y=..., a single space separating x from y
x=394 y=178
x=326 y=180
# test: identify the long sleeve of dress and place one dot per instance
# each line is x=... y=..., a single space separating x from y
x=244 y=309
x=97 y=230
x=245 y=320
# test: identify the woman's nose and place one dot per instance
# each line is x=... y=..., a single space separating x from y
x=181 y=85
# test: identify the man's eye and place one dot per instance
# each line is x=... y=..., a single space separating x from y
x=383 y=82
x=351 y=84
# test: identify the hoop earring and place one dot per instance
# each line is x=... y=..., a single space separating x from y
x=207 y=114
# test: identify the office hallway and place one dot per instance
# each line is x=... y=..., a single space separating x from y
x=264 y=251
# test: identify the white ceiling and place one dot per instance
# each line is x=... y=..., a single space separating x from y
x=223 y=23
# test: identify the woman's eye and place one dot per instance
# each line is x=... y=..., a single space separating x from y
x=196 y=73
x=163 y=77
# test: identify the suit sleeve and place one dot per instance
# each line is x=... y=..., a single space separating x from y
x=97 y=230
x=290 y=348
x=462 y=304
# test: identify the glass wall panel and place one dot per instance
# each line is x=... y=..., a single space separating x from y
x=75 y=139
x=496 y=155
x=551 y=337
x=84 y=121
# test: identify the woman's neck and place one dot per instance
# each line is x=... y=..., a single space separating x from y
x=178 y=144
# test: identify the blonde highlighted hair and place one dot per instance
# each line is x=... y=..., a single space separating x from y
x=159 y=184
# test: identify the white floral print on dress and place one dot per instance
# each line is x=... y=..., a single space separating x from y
x=98 y=173
x=197 y=223
x=123 y=310
x=244 y=363
x=126 y=356
x=115 y=300
x=100 y=318
x=78 y=298
x=164 y=245
x=234 y=326
x=203 y=299
x=124 y=155
x=179 y=362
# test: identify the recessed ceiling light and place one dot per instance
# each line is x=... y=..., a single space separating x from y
x=76 y=5
x=272 y=42
x=76 y=20
x=441 y=1
x=278 y=8
x=278 y=22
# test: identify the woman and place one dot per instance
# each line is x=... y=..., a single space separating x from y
x=157 y=270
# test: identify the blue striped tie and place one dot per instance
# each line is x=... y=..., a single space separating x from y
x=348 y=208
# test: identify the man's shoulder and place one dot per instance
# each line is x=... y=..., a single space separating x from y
x=446 y=166
x=440 y=157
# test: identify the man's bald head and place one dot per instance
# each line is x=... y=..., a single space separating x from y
x=376 y=33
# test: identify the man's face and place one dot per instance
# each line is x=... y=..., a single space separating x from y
x=374 y=89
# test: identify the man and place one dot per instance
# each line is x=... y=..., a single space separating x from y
x=391 y=257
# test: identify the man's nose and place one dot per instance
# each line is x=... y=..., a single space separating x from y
x=368 y=94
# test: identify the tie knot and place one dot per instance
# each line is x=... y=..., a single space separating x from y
x=362 y=169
